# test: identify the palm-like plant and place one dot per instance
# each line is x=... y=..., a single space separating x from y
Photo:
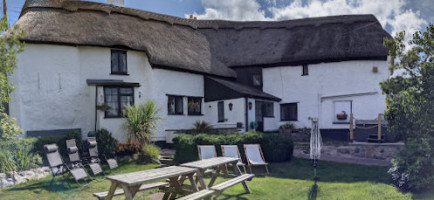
x=201 y=127
x=141 y=120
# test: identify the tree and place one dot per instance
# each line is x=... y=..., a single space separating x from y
x=141 y=120
x=410 y=109
x=10 y=46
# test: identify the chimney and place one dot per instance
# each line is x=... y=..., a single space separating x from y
x=116 y=2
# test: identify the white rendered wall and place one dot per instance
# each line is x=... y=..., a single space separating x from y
x=52 y=92
x=232 y=117
x=326 y=83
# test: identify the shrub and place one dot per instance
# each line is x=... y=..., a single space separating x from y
x=8 y=128
x=149 y=153
x=141 y=120
x=7 y=162
x=106 y=143
x=129 y=148
x=201 y=127
x=276 y=147
x=412 y=169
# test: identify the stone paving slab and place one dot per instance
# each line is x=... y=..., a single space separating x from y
x=358 y=161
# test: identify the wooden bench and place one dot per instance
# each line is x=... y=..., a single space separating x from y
x=102 y=195
x=198 y=195
x=223 y=186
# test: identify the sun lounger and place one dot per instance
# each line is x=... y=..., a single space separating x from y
x=58 y=167
x=94 y=154
x=75 y=160
x=233 y=152
x=254 y=156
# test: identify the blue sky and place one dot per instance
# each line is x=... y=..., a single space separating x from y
x=394 y=15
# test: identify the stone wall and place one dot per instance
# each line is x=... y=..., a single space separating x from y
x=382 y=151
x=13 y=178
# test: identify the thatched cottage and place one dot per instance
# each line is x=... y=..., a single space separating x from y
x=82 y=55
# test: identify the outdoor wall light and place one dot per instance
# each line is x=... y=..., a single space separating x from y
x=250 y=105
x=230 y=106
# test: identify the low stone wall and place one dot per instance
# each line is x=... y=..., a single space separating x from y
x=13 y=178
x=380 y=151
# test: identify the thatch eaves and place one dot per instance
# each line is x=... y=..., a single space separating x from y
x=204 y=46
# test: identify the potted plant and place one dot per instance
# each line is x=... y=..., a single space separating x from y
x=286 y=128
x=103 y=107
x=342 y=115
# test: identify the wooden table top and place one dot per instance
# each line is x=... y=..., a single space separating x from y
x=210 y=163
x=140 y=177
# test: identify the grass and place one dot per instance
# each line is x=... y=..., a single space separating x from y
x=291 y=180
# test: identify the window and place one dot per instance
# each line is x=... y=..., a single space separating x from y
x=119 y=62
x=118 y=98
x=257 y=80
x=175 y=105
x=305 y=70
x=221 y=111
x=194 y=105
x=288 y=112
x=268 y=109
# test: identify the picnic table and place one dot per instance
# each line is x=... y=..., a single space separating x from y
x=131 y=182
x=219 y=163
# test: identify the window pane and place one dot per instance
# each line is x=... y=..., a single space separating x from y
x=126 y=91
x=269 y=110
x=122 y=62
x=221 y=112
x=171 y=105
x=179 y=105
x=111 y=97
x=289 y=111
x=257 y=80
x=115 y=62
x=194 y=105
x=125 y=101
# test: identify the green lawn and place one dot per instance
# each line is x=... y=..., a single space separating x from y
x=291 y=180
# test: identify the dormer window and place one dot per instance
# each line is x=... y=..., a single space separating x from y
x=119 y=62
x=257 y=80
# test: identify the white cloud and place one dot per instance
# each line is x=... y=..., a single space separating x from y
x=390 y=13
x=242 y=10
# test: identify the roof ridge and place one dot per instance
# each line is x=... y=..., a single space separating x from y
x=75 y=5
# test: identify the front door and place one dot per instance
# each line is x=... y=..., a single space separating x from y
x=259 y=116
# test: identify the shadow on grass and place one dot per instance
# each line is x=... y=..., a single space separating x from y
x=329 y=171
x=237 y=196
x=313 y=192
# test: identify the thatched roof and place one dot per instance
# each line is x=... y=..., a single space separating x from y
x=204 y=46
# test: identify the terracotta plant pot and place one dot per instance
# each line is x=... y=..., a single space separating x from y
x=342 y=115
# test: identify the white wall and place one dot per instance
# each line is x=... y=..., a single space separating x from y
x=232 y=117
x=328 y=82
x=52 y=92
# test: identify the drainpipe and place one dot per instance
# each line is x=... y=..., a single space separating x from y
x=247 y=114
x=96 y=105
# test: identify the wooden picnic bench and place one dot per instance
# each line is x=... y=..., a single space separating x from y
x=219 y=163
x=131 y=183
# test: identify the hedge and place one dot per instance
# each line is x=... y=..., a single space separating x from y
x=276 y=147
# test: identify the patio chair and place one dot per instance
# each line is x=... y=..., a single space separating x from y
x=254 y=156
x=75 y=160
x=233 y=152
x=206 y=151
x=94 y=155
x=58 y=167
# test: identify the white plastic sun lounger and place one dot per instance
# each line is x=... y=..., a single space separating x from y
x=254 y=156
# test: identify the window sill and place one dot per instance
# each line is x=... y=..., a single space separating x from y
x=175 y=113
x=305 y=75
x=195 y=114
x=268 y=116
x=287 y=120
x=113 y=117
x=341 y=122
x=122 y=74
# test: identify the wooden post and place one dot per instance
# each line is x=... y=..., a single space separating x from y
x=379 y=126
x=351 y=128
